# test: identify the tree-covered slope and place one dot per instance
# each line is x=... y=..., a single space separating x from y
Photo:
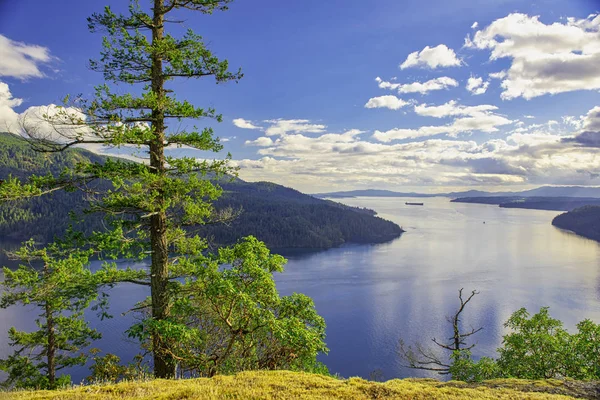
x=38 y=218
x=584 y=221
x=284 y=217
x=279 y=216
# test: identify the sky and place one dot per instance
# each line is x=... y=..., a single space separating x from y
x=425 y=96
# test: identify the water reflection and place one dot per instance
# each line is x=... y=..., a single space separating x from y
x=372 y=295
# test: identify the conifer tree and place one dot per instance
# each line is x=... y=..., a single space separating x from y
x=151 y=205
x=61 y=287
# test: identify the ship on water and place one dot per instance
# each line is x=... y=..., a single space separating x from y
x=413 y=204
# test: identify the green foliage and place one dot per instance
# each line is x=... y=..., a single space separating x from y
x=230 y=318
x=61 y=286
x=539 y=347
x=465 y=369
x=108 y=368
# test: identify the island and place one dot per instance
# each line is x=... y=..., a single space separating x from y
x=584 y=221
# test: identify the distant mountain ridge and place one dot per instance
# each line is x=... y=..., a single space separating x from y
x=533 y=202
x=543 y=191
x=281 y=217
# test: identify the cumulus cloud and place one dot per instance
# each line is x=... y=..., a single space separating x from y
x=573 y=121
x=467 y=119
x=441 y=83
x=260 y=142
x=591 y=122
x=475 y=25
x=452 y=109
x=56 y=124
x=589 y=135
x=343 y=160
x=391 y=102
x=498 y=75
x=244 y=124
x=545 y=58
x=432 y=57
x=485 y=123
x=285 y=126
x=21 y=60
x=8 y=116
x=477 y=86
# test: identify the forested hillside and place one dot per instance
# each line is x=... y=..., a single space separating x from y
x=584 y=221
x=279 y=216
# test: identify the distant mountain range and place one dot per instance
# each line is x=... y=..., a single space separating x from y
x=533 y=202
x=544 y=191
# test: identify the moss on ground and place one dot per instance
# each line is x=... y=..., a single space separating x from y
x=294 y=385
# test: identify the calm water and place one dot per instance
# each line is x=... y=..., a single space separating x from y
x=371 y=296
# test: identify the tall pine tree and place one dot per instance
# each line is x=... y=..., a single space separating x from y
x=151 y=205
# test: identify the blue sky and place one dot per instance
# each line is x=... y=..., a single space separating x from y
x=322 y=120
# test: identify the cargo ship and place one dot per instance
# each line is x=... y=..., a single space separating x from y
x=413 y=204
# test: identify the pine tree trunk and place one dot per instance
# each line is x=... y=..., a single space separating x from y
x=164 y=365
x=51 y=348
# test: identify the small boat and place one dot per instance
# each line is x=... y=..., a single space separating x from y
x=413 y=204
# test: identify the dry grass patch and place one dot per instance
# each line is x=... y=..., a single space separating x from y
x=293 y=385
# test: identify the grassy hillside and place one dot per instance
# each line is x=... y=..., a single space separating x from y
x=279 y=216
x=584 y=221
x=293 y=385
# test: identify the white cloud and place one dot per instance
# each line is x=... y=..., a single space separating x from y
x=391 y=102
x=56 y=124
x=260 y=142
x=21 y=60
x=8 y=117
x=475 y=25
x=285 y=126
x=432 y=57
x=573 y=121
x=452 y=109
x=401 y=134
x=434 y=84
x=545 y=58
x=468 y=119
x=477 y=86
x=244 y=124
x=485 y=123
x=441 y=83
x=346 y=160
x=498 y=75
x=591 y=121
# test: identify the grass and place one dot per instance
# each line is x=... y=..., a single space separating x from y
x=294 y=385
